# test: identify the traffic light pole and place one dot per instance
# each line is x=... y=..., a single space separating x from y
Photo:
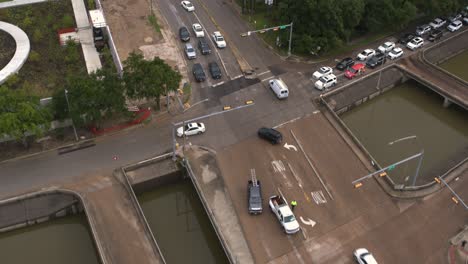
x=273 y=29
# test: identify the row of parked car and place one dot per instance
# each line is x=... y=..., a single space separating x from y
x=203 y=47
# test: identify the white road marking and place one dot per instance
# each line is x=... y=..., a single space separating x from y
x=308 y=222
x=237 y=77
x=290 y=121
x=265 y=72
x=316 y=112
x=278 y=166
x=268 y=78
x=289 y=147
x=218 y=84
x=318 y=197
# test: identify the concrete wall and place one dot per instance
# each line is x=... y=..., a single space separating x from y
x=447 y=49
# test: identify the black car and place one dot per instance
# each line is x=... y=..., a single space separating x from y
x=375 y=61
x=198 y=72
x=345 y=63
x=270 y=134
x=204 y=46
x=214 y=70
x=254 y=197
x=435 y=35
x=406 y=38
x=184 y=34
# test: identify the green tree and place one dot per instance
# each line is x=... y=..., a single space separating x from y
x=92 y=98
x=21 y=115
x=149 y=79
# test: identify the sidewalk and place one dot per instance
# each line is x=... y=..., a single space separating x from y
x=22 y=50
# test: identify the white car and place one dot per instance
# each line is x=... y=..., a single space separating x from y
x=421 y=30
x=219 y=39
x=415 y=43
x=386 y=47
x=191 y=129
x=323 y=71
x=437 y=23
x=395 y=53
x=187 y=5
x=198 y=30
x=454 y=26
x=366 y=54
x=363 y=256
x=325 y=82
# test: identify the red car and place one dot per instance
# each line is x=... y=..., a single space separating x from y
x=356 y=69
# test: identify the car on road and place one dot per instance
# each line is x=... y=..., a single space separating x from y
x=255 y=201
x=187 y=5
x=191 y=129
x=326 y=82
x=435 y=35
x=345 y=63
x=214 y=69
x=386 y=47
x=184 y=34
x=363 y=256
x=203 y=46
x=407 y=37
x=366 y=54
x=437 y=23
x=280 y=208
x=395 y=53
x=198 y=30
x=198 y=72
x=356 y=69
x=323 y=71
x=377 y=60
x=271 y=135
x=219 y=39
x=454 y=26
x=424 y=29
x=417 y=42
x=190 y=51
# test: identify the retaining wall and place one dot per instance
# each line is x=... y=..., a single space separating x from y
x=446 y=49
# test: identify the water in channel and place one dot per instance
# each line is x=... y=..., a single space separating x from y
x=406 y=110
x=64 y=240
x=180 y=225
x=457 y=65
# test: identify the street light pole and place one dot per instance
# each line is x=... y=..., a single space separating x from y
x=69 y=113
x=290 y=40
x=420 y=157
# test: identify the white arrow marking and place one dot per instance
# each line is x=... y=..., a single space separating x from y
x=289 y=147
x=308 y=222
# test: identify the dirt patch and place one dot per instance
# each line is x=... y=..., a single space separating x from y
x=7 y=49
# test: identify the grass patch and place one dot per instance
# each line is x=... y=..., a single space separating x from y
x=362 y=42
x=5 y=1
x=154 y=23
x=187 y=89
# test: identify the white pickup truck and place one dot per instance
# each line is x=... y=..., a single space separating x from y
x=279 y=206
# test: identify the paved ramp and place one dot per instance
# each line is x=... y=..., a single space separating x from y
x=22 y=50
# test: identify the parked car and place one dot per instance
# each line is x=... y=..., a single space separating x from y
x=407 y=37
x=187 y=5
x=191 y=129
x=190 y=51
x=184 y=34
x=437 y=23
x=219 y=39
x=280 y=208
x=279 y=88
x=417 y=42
x=366 y=54
x=363 y=256
x=375 y=61
x=271 y=135
x=386 y=47
x=356 y=69
x=326 y=82
x=395 y=53
x=198 y=30
x=204 y=46
x=455 y=25
x=455 y=17
x=198 y=72
x=435 y=35
x=323 y=71
x=215 y=71
x=255 y=201
x=345 y=63
x=424 y=29
x=465 y=20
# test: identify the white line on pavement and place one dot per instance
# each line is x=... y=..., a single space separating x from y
x=265 y=72
x=217 y=84
x=268 y=78
x=237 y=77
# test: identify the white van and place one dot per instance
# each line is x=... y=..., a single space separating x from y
x=279 y=88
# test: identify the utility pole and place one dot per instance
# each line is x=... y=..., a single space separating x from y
x=276 y=28
x=290 y=40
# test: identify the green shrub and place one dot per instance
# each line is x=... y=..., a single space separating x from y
x=34 y=56
x=67 y=21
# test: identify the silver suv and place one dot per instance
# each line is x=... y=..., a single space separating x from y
x=190 y=51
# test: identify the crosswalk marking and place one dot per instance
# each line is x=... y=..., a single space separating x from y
x=318 y=197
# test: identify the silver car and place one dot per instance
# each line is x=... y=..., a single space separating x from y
x=190 y=51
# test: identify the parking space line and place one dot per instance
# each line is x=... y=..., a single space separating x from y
x=237 y=77
x=218 y=84
x=265 y=72
x=268 y=78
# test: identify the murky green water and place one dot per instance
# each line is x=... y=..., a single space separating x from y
x=411 y=109
x=65 y=240
x=458 y=65
x=180 y=225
